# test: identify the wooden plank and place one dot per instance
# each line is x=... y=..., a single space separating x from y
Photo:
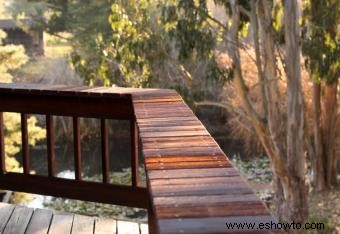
x=24 y=143
x=77 y=105
x=125 y=227
x=51 y=160
x=105 y=151
x=187 y=165
x=83 y=225
x=201 y=151
x=105 y=226
x=247 y=208
x=192 y=173
x=40 y=222
x=6 y=211
x=2 y=145
x=201 y=180
x=174 y=133
x=144 y=229
x=204 y=199
x=200 y=189
x=181 y=158
x=19 y=220
x=61 y=224
x=81 y=190
x=213 y=224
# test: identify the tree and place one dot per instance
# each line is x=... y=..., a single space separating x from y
x=279 y=129
x=322 y=50
x=11 y=58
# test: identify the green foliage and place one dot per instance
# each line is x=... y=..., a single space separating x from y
x=321 y=44
x=257 y=169
x=13 y=57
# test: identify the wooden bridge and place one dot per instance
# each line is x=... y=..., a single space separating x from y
x=191 y=185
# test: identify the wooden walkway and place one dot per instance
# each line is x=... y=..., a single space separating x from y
x=19 y=220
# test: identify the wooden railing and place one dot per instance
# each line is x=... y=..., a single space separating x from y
x=76 y=103
x=191 y=185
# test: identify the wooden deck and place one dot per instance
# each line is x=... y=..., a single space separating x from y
x=192 y=186
x=19 y=220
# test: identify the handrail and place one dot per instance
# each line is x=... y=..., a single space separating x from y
x=191 y=185
x=75 y=102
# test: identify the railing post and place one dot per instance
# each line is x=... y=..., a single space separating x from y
x=50 y=146
x=134 y=152
x=24 y=142
x=2 y=145
x=77 y=148
x=105 y=151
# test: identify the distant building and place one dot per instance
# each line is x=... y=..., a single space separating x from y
x=32 y=40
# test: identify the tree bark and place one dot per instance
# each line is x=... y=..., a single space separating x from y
x=317 y=159
x=296 y=197
x=329 y=133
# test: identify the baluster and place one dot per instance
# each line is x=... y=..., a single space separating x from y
x=2 y=145
x=134 y=153
x=105 y=151
x=50 y=146
x=77 y=148
x=24 y=140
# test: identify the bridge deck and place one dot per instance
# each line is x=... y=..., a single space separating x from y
x=16 y=219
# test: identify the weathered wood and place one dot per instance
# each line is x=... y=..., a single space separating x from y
x=51 y=161
x=61 y=224
x=2 y=145
x=82 y=225
x=6 y=211
x=24 y=143
x=105 y=226
x=19 y=220
x=40 y=222
x=105 y=151
x=77 y=148
x=125 y=227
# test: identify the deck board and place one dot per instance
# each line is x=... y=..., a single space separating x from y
x=40 y=222
x=19 y=220
x=15 y=219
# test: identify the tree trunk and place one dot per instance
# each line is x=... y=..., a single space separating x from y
x=317 y=159
x=296 y=197
x=329 y=133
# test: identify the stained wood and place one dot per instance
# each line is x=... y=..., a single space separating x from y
x=24 y=142
x=105 y=226
x=51 y=161
x=40 y=222
x=82 y=225
x=192 y=173
x=2 y=145
x=19 y=220
x=61 y=224
x=81 y=190
x=6 y=211
x=125 y=227
x=77 y=148
x=250 y=208
x=105 y=151
x=134 y=152
x=212 y=224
